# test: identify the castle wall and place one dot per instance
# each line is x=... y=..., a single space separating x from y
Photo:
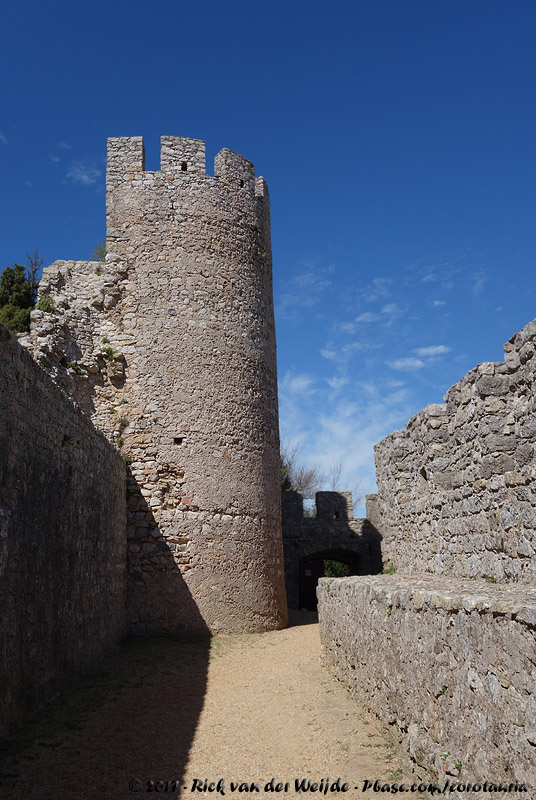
x=62 y=537
x=457 y=487
x=169 y=346
x=447 y=665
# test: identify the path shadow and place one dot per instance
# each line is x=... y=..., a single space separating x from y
x=133 y=720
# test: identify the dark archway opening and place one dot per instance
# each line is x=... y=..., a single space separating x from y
x=327 y=563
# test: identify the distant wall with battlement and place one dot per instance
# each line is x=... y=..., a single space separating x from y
x=169 y=347
x=62 y=537
x=330 y=533
x=457 y=487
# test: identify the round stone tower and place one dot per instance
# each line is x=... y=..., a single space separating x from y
x=200 y=388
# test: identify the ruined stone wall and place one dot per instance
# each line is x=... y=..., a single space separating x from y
x=457 y=487
x=448 y=666
x=62 y=537
x=332 y=532
x=169 y=346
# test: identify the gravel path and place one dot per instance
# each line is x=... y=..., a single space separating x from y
x=241 y=708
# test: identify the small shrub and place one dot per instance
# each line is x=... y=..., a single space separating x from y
x=99 y=253
x=389 y=571
x=74 y=366
x=123 y=423
x=108 y=353
x=45 y=304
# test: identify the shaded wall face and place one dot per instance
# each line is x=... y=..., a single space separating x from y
x=62 y=540
x=200 y=388
x=456 y=489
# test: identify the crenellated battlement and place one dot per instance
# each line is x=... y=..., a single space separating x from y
x=126 y=155
x=180 y=156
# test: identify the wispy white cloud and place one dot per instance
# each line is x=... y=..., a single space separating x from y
x=439 y=302
x=341 y=353
x=378 y=289
x=29 y=183
x=54 y=159
x=3 y=139
x=367 y=316
x=434 y=350
x=64 y=146
x=429 y=277
x=407 y=363
x=306 y=290
x=297 y=384
x=84 y=173
x=337 y=382
x=329 y=353
x=479 y=281
x=424 y=356
x=391 y=313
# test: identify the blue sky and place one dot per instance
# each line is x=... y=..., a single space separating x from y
x=397 y=139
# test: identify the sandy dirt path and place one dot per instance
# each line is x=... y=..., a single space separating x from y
x=243 y=708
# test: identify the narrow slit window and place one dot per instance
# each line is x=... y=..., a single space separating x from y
x=178 y=439
x=241 y=183
x=184 y=166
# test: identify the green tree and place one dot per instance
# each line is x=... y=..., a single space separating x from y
x=18 y=292
x=336 y=569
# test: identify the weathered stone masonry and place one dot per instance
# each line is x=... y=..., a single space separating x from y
x=445 y=652
x=449 y=666
x=62 y=537
x=170 y=347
